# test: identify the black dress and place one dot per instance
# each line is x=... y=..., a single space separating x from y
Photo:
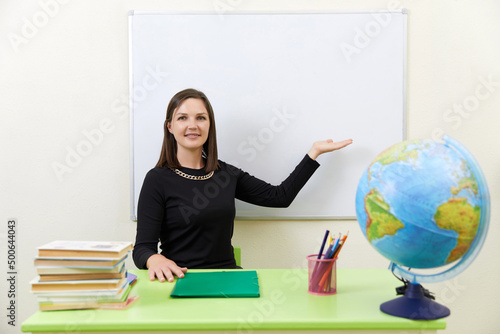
x=193 y=219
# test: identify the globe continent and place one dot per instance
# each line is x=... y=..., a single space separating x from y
x=418 y=204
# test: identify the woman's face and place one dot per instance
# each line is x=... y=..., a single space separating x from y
x=190 y=124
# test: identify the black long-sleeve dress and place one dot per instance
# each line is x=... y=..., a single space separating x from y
x=193 y=219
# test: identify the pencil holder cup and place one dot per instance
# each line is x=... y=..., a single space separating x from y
x=322 y=275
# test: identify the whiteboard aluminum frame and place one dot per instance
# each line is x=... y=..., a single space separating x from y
x=133 y=216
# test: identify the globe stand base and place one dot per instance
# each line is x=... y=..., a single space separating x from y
x=415 y=305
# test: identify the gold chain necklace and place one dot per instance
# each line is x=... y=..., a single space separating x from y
x=194 y=177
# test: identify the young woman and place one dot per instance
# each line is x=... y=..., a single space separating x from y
x=187 y=202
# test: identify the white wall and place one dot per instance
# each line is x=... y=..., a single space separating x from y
x=64 y=73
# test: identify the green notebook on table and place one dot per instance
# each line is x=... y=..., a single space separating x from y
x=225 y=284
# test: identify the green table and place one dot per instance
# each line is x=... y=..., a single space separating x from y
x=284 y=305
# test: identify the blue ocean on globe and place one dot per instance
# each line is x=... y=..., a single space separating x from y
x=419 y=204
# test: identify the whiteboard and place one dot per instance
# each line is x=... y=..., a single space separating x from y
x=277 y=83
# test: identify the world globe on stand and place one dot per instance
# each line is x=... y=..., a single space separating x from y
x=424 y=204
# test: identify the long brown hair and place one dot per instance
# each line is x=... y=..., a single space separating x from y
x=168 y=154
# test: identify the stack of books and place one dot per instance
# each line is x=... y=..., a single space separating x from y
x=83 y=275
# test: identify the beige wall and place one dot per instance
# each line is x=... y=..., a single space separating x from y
x=64 y=74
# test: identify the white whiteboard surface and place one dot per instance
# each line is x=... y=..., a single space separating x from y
x=277 y=83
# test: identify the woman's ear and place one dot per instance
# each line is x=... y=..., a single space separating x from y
x=169 y=127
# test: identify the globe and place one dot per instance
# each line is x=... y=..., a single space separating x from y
x=424 y=204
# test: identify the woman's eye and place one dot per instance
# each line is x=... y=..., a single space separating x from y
x=181 y=118
x=202 y=118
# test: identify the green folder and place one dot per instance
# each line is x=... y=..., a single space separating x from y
x=225 y=284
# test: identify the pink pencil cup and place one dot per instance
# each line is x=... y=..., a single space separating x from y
x=322 y=275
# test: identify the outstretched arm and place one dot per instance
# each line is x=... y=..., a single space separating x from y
x=324 y=146
x=253 y=190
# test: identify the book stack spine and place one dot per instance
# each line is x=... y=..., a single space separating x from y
x=82 y=275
